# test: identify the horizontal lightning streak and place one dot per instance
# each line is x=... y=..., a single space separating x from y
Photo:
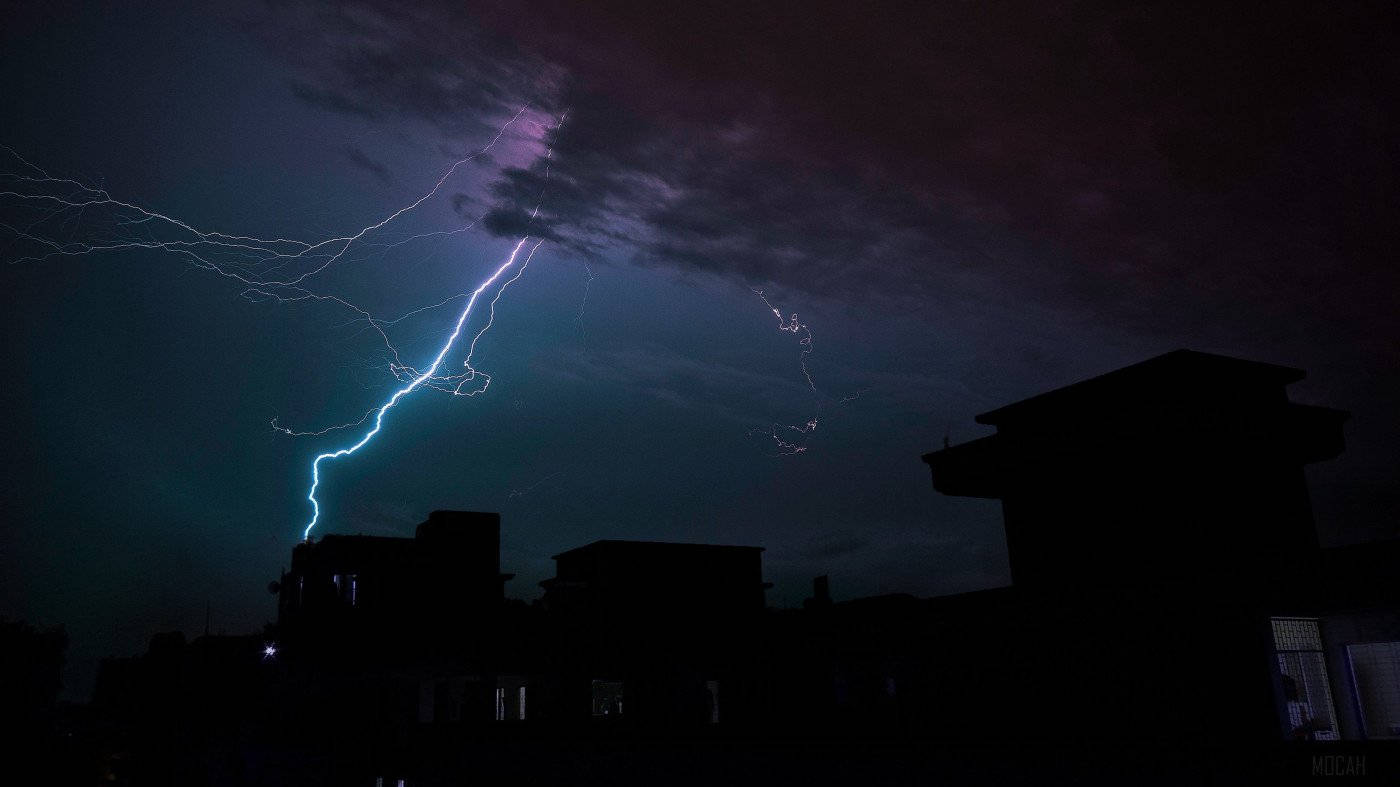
x=241 y=255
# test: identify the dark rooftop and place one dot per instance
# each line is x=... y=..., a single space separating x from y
x=1179 y=374
x=609 y=544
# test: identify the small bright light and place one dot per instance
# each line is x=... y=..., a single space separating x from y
x=270 y=650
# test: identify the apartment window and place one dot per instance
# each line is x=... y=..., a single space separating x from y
x=1307 y=695
x=510 y=698
x=712 y=698
x=347 y=587
x=607 y=699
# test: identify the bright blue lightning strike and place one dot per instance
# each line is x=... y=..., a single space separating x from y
x=417 y=381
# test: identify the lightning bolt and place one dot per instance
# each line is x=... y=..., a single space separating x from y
x=258 y=264
x=421 y=379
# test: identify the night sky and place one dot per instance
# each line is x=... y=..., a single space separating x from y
x=965 y=205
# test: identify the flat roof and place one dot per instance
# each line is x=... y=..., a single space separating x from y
x=619 y=544
x=1155 y=375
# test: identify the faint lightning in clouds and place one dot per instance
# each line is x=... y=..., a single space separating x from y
x=515 y=494
x=583 y=303
x=797 y=442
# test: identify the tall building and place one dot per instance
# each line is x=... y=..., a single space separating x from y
x=1166 y=571
x=1185 y=466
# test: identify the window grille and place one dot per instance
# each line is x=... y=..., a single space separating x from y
x=1302 y=667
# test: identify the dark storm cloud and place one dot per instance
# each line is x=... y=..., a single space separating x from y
x=333 y=100
x=515 y=222
x=686 y=195
x=462 y=204
x=679 y=197
x=355 y=156
x=854 y=148
x=431 y=63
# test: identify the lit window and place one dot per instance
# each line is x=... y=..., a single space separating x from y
x=1303 y=675
x=510 y=698
x=607 y=698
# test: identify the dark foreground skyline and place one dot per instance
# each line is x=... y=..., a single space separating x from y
x=966 y=207
x=1171 y=619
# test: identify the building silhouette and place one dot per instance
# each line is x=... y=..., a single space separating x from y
x=1168 y=590
x=1185 y=465
x=401 y=599
x=1164 y=558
